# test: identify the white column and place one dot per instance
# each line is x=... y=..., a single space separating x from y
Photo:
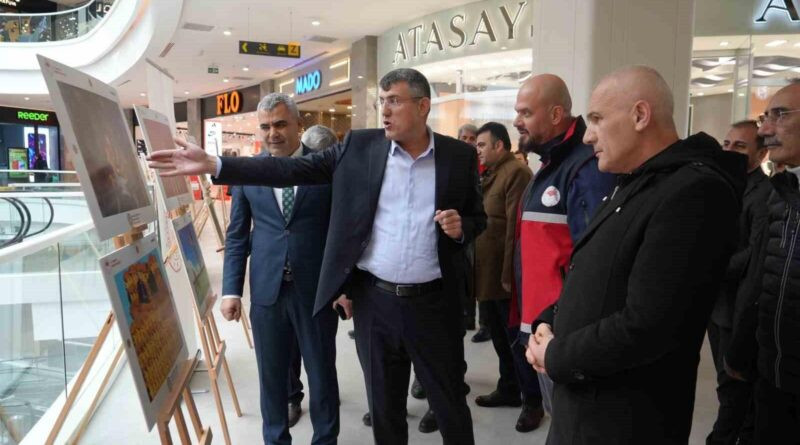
x=583 y=40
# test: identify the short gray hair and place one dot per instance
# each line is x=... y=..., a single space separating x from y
x=467 y=127
x=416 y=81
x=272 y=100
x=319 y=137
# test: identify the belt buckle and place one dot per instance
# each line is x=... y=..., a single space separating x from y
x=398 y=290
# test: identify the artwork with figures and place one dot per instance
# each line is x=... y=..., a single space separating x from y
x=158 y=136
x=96 y=132
x=147 y=318
x=193 y=261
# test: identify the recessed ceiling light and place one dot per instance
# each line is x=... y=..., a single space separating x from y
x=315 y=23
x=332 y=110
x=349 y=107
x=503 y=48
x=775 y=43
x=185 y=92
x=245 y=68
x=225 y=79
x=227 y=32
x=27 y=98
x=360 y=77
x=741 y=94
x=142 y=94
x=701 y=94
x=730 y=90
x=723 y=43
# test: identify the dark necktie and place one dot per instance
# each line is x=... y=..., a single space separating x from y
x=288 y=202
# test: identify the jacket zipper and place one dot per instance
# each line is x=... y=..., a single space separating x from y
x=779 y=309
x=786 y=226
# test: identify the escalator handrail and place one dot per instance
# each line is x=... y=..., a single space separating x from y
x=18 y=237
x=27 y=217
x=49 y=221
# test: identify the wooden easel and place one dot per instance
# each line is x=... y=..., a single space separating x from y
x=214 y=352
x=170 y=409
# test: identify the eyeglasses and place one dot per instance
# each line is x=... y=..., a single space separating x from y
x=775 y=115
x=395 y=101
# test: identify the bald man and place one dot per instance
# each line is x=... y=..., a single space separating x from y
x=555 y=209
x=767 y=332
x=624 y=345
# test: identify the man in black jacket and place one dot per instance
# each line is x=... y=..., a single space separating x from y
x=405 y=203
x=624 y=348
x=768 y=330
x=735 y=418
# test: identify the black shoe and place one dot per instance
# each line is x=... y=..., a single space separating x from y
x=530 y=418
x=351 y=334
x=482 y=335
x=417 y=391
x=294 y=413
x=367 y=419
x=496 y=399
x=428 y=423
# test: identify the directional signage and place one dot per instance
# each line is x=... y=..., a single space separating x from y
x=291 y=50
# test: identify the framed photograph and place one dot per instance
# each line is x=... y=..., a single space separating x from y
x=147 y=320
x=97 y=133
x=158 y=136
x=193 y=262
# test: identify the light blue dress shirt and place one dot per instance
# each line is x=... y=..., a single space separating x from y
x=403 y=245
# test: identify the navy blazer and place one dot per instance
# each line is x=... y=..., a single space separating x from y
x=273 y=240
x=355 y=169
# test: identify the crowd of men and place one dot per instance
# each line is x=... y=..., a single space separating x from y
x=597 y=276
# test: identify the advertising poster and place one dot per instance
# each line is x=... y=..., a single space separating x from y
x=96 y=131
x=18 y=160
x=147 y=319
x=193 y=262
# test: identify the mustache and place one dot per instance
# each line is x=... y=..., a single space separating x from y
x=771 y=141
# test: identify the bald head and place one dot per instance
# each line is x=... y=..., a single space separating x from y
x=544 y=111
x=630 y=118
x=632 y=84
x=548 y=90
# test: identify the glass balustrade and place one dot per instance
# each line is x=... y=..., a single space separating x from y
x=55 y=26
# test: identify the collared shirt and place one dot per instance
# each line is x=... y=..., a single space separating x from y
x=278 y=196
x=279 y=191
x=403 y=245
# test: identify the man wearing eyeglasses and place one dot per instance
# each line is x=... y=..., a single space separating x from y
x=735 y=417
x=406 y=201
x=766 y=338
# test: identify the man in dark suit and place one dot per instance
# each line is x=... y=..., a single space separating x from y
x=286 y=247
x=405 y=203
x=642 y=279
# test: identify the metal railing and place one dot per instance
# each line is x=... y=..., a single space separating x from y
x=53 y=26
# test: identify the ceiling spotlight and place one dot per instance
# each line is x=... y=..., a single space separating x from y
x=332 y=110
x=349 y=107
x=227 y=32
x=142 y=94
x=27 y=98
x=186 y=92
x=730 y=90
x=723 y=43
x=245 y=68
x=225 y=79
x=701 y=94
x=775 y=43
x=360 y=77
x=315 y=23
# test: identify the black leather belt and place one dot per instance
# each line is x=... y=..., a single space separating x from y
x=403 y=290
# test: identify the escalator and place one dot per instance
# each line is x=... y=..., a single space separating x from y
x=16 y=222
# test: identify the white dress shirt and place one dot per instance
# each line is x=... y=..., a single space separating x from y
x=403 y=245
x=278 y=197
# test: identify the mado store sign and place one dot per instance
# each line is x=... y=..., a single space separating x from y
x=308 y=82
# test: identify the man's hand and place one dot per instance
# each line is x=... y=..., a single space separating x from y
x=734 y=374
x=450 y=221
x=231 y=308
x=346 y=304
x=506 y=286
x=189 y=160
x=537 y=347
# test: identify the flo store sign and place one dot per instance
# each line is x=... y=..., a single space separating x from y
x=476 y=28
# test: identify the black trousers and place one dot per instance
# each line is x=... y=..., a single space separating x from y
x=735 y=419
x=777 y=415
x=392 y=333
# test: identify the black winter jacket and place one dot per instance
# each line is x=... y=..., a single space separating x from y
x=637 y=299
x=767 y=333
